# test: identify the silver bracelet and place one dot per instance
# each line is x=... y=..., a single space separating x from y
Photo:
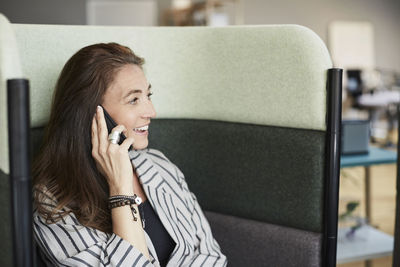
x=135 y=198
x=122 y=200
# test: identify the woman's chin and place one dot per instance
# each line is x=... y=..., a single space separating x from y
x=140 y=145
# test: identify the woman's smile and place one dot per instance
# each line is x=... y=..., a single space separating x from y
x=144 y=130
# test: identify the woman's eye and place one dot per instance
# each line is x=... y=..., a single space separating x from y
x=133 y=101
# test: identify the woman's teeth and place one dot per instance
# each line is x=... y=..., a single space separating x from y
x=142 y=129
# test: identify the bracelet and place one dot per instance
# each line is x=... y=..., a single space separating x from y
x=119 y=203
x=122 y=200
x=136 y=199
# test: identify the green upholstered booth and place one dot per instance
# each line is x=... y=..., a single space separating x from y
x=248 y=113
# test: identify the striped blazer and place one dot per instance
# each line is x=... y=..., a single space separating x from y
x=68 y=243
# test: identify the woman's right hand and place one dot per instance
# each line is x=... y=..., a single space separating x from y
x=112 y=160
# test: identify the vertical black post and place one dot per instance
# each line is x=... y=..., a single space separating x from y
x=333 y=122
x=20 y=178
x=396 y=249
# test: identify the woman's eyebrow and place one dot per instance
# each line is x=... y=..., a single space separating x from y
x=135 y=91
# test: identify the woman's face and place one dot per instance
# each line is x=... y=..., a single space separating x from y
x=127 y=100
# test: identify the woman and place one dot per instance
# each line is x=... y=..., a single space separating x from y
x=100 y=203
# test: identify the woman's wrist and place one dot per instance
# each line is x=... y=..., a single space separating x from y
x=127 y=191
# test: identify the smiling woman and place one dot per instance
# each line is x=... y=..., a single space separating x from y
x=100 y=203
x=131 y=107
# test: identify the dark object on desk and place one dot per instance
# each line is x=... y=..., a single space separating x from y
x=354 y=82
x=355 y=137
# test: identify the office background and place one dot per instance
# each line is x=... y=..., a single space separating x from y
x=314 y=14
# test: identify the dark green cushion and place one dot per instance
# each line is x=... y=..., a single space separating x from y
x=5 y=221
x=264 y=173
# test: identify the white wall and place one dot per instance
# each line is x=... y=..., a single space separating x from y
x=317 y=14
x=122 y=12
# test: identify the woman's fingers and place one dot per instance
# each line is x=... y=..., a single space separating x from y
x=112 y=160
x=102 y=130
x=95 y=145
x=114 y=147
x=95 y=138
x=120 y=128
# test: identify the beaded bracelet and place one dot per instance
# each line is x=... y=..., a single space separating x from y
x=135 y=198
x=122 y=200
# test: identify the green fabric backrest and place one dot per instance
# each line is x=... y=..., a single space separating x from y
x=268 y=75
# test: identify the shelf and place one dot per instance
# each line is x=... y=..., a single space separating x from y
x=200 y=13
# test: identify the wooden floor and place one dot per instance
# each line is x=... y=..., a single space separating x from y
x=383 y=187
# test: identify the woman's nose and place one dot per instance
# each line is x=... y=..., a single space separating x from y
x=149 y=111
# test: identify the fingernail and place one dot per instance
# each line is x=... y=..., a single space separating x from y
x=98 y=108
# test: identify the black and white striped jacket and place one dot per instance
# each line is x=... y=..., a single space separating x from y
x=68 y=243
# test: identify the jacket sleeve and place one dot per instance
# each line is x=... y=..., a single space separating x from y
x=68 y=243
x=208 y=251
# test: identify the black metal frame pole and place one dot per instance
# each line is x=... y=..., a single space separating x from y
x=332 y=169
x=20 y=177
x=396 y=249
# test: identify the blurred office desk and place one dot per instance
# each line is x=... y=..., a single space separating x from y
x=368 y=242
x=374 y=157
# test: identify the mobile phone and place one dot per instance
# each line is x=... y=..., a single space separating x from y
x=111 y=124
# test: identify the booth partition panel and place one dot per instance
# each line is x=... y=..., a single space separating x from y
x=247 y=113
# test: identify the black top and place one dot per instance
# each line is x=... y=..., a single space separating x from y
x=162 y=241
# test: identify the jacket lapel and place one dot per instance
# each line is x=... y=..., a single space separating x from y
x=158 y=194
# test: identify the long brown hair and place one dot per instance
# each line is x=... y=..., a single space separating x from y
x=64 y=172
